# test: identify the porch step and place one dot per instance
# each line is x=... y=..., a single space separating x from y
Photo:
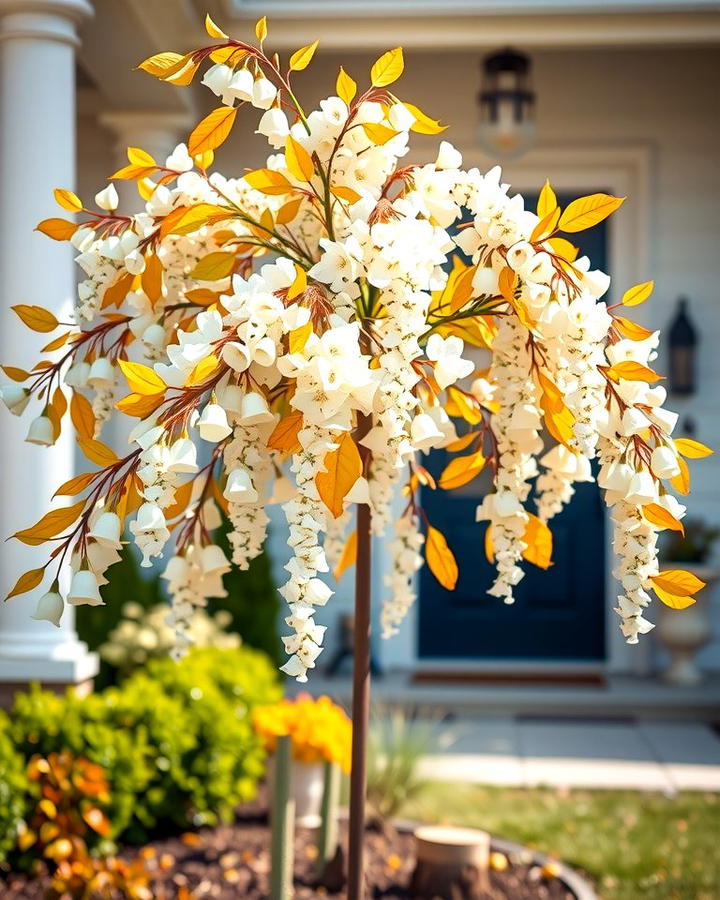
x=620 y=697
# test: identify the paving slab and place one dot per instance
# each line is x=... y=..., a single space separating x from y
x=689 y=752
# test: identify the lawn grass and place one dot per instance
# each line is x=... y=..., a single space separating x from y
x=632 y=844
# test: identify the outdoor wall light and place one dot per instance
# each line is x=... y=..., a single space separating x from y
x=683 y=340
x=507 y=104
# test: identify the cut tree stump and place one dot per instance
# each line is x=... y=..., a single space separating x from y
x=452 y=863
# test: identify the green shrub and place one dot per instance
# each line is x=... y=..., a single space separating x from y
x=176 y=740
x=14 y=789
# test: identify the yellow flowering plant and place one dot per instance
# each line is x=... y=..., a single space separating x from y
x=320 y=730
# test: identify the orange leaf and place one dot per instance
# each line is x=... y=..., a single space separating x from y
x=82 y=416
x=461 y=470
x=462 y=443
x=27 y=582
x=76 y=485
x=539 y=540
x=588 y=211
x=658 y=515
x=440 y=559
x=268 y=181
x=36 y=317
x=214 y=266
x=98 y=452
x=633 y=371
x=348 y=557
x=298 y=160
x=631 y=330
x=51 y=524
x=118 y=291
x=681 y=481
x=15 y=374
x=139 y=405
x=152 y=278
x=212 y=131
x=678 y=582
x=288 y=211
x=284 y=437
x=343 y=467
x=57 y=229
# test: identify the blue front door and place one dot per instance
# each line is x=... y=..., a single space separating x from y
x=558 y=615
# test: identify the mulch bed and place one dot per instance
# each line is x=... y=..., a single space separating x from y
x=233 y=861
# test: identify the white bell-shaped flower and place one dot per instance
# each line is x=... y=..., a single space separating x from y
x=49 y=608
x=230 y=398
x=183 y=457
x=149 y=518
x=154 y=336
x=107 y=198
x=102 y=373
x=241 y=86
x=77 y=375
x=177 y=569
x=239 y=487
x=255 y=410
x=15 y=397
x=107 y=530
x=236 y=355
x=264 y=93
x=41 y=432
x=84 y=589
x=213 y=424
x=217 y=78
x=664 y=462
x=424 y=433
x=213 y=561
x=263 y=351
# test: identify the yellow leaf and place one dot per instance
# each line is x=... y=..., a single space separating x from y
x=118 y=291
x=203 y=370
x=51 y=524
x=267 y=181
x=57 y=229
x=631 y=330
x=298 y=160
x=214 y=266
x=588 y=211
x=459 y=405
x=139 y=405
x=388 y=68
x=677 y=582
x=638 y=294
x=379 y=134
x=69 y=201
x=296 y=288
x=212 y=131
x=288 y=211
x=299 y=337
x=15 y=374
x=658 y=515
x=440 y=559
x=159 y=64
x=547 y=201
x=462 y=443
x=183 y=74
x=58 y=342
x=564 y=249
x=348 y=557
x=36 y=318
x=546 y=225
x=673 y=600
x=132 y=173
x=27 y=582
x=343 y=467
x=692 y=449
x=284 y=437
x=423 y=124
x=142 y=379
x=202 y=296
x=76 y=485
x=82 y=416
x=139 y=157
x=681 y=481
x=59 y=402
x=301 y=58
x=204 y=160
x=345 y=193
x=539 y=540
x=461 y=470
x=345 y=87
x=98 y=452
x=507 y=281
x=212 y=28
x=633 y=371
x=488 y=542
x=261 y=29
x=229 y=55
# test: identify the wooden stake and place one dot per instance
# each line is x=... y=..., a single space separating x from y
x=283 y=823
x=328 y=836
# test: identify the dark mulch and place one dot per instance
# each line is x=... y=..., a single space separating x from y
x=233 y=861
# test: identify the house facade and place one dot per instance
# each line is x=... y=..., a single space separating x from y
x=626 y=102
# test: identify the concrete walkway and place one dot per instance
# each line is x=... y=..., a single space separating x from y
x=572 y=753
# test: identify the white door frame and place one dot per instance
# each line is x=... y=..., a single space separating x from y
x=624 y=170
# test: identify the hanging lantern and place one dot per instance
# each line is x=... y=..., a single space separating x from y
x=507 y=104
x=683 y=340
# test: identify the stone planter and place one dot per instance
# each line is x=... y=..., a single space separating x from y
x=684 y=632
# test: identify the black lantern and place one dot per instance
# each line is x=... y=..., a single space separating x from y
x=683 y=340
x=507 y=104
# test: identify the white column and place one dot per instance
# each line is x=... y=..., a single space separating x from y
x=157 y=132
x=37 y=125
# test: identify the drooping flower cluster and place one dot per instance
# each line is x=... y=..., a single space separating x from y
x=320 y=379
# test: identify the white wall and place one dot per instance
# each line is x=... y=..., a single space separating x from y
x=663 y=102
